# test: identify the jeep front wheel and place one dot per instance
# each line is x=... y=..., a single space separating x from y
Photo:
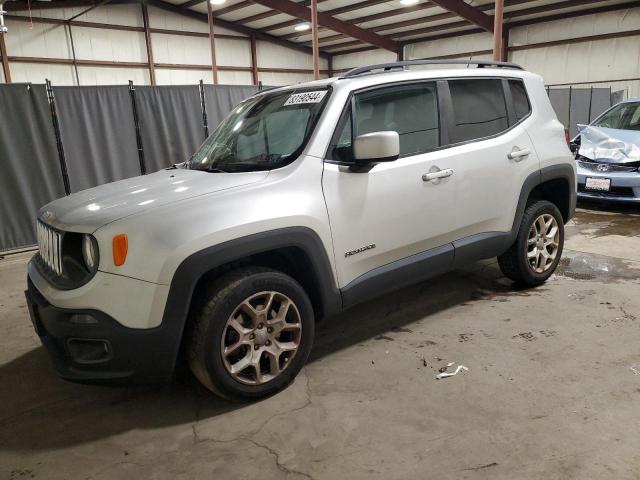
x=251 y=333
x=536 y=252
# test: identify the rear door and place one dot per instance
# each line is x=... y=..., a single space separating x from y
x=491 y=151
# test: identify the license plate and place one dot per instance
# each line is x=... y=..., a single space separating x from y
x=598 y=184
x=33 y=313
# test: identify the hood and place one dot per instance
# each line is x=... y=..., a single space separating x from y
x=610 y=145
x=88 y=210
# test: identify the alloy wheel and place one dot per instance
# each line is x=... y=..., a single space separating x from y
x=543 y=243
x=261 y=337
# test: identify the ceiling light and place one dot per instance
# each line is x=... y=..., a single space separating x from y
x=217 y=2
x=406 y=3
x=301 y=27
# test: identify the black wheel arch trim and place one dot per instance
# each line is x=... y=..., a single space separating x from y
x=198 y=264
x=553 y=172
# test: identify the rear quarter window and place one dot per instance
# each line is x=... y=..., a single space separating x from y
x=521 y=105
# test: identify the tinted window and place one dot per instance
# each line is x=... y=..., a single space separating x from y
x=410 y=110
x=520 y=100
x=341 y=148
x=479 y=109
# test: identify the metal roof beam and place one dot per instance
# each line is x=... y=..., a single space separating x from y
x=466 y=11
x=330 y=22
x=232 y=26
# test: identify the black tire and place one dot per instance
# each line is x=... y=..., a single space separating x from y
x=207 y=324
x=514 y=262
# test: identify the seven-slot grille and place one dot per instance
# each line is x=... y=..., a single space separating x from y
x=50 y=247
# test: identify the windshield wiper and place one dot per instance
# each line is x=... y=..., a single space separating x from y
x=215 y=170
x=175 y=166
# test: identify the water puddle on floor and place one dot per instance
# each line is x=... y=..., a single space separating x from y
x=595 y=223
x=597 y=267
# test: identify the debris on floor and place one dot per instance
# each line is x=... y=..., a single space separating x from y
x=445 y=374
x=635 y=368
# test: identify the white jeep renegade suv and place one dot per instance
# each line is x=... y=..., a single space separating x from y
x=304 y=201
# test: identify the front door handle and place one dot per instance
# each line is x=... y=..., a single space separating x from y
x=518 y=154
x=437 y=175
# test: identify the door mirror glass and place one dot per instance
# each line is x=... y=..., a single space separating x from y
x=377 y=147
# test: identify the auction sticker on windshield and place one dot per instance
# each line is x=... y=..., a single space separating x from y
x=306 y=97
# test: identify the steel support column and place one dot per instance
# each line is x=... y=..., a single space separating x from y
x=5 y=60
x=314 y=39
x=147 y=37
x=497 y=30
x=254 y=60
x=212 y=41
x=505 y=43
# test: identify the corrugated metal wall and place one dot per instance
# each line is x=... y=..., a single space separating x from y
x=606 y=63
x=52 y=41
x=601 y=63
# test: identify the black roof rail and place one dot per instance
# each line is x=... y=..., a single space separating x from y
x=395 y=66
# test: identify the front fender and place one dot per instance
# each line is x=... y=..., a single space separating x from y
x=194 y=267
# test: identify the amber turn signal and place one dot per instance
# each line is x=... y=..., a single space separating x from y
x=120 y=247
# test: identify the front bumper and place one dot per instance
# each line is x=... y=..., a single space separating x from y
x=89 y=346
x=625 y=186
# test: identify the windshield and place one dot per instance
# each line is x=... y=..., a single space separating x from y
x=623 y=117
x=262 y=133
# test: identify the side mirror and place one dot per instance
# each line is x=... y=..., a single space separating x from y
x=377 y=147
x=581 y=127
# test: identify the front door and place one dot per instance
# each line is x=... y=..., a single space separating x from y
x=383 y=215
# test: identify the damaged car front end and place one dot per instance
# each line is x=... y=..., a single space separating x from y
x=608 y=155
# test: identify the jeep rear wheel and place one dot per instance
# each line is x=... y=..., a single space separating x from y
x=250 y=334
x=536 y=252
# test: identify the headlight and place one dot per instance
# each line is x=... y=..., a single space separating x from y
x=90 y=252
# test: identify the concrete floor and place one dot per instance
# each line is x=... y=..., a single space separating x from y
x=549 y=392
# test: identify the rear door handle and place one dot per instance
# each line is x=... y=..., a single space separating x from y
x=518 y=154
x=437 y=175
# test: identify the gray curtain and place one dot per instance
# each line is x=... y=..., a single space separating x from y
x=98 y=134
x=600 y=101
x=221 y=99
x=579 y=105
x=29 y=169
x=617 y=97
x=559 y=98
x=170 y=124
x=579 y=108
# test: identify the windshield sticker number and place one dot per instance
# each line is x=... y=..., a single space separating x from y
x=307 y=97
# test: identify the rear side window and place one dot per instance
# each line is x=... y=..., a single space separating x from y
x=521 y=105
x=479 y=109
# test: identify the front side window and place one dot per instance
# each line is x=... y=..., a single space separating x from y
x=262 y=133
x=622 y=117
x=410 y=110
x=479 y=109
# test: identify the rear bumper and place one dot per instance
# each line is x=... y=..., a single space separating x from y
x=89 y=346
